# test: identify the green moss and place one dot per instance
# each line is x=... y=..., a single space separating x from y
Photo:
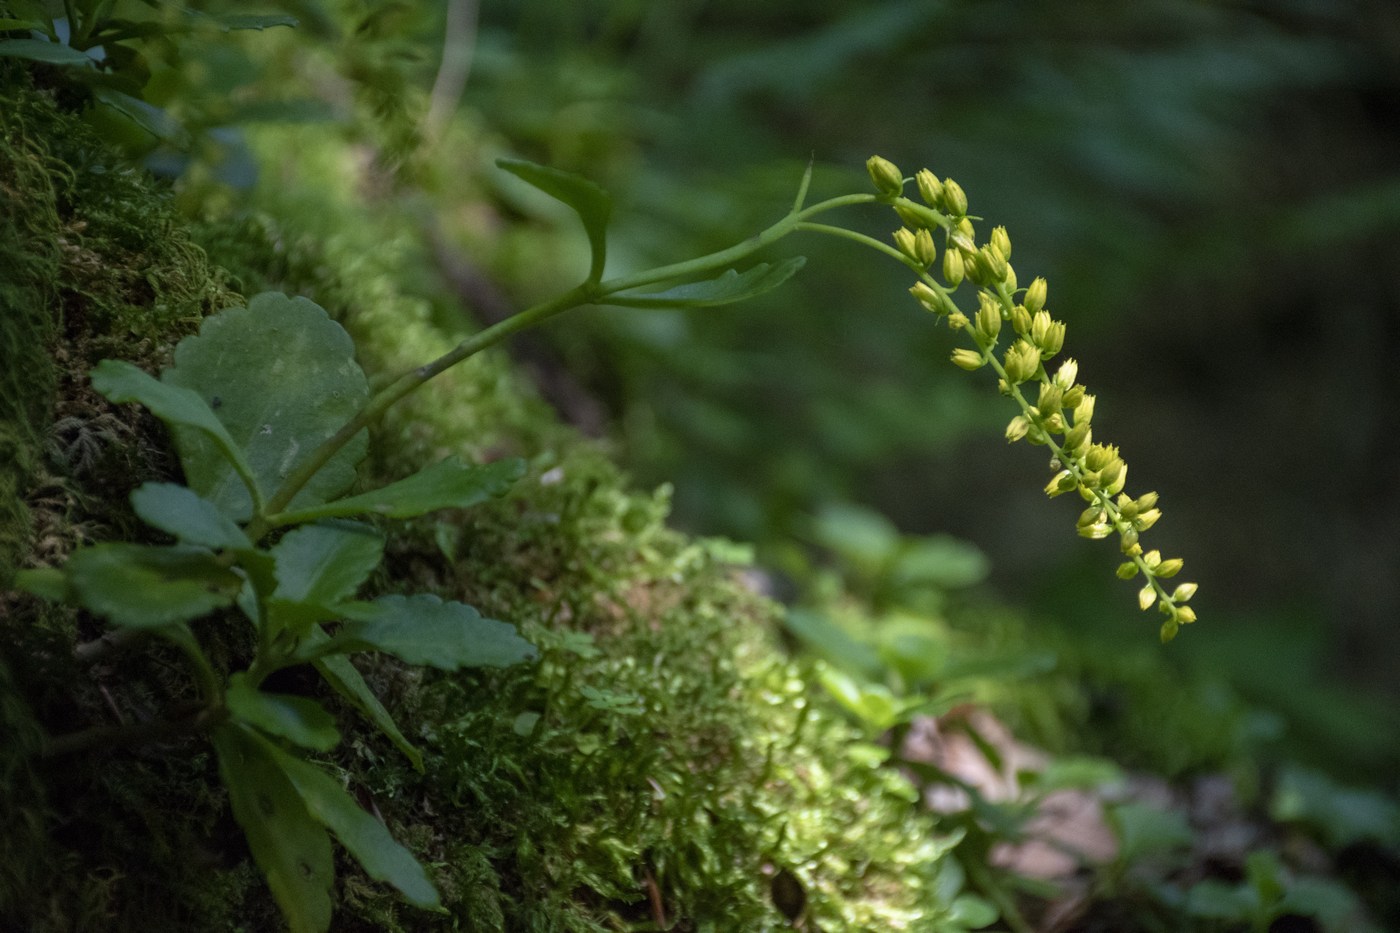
x=662 y=758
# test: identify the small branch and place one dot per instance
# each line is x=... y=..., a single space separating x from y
x=90 y=652
x=196 y=718
x=458 y=42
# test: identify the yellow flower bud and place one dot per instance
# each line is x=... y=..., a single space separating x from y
x=1129 y=540
x=1127 y=570
x=1021 y=362
x=1110 y=473
x=1078 y=437
x=1185 y=615
x=957 y=320
x=1084 y=411
x=953 y=267
x=954 y=198
x=1115 y=485
x=1055 y=423
x=904 y=240
x=1001 y=240
x=1017 y=428
x=968 y=359
x=988 y=317
x=924 y=250
x=928 y=297
x=1183 y=592
x=1093 y=515
x=1100 y=456
x=1096 y=532
x=1146 y=520
x=1147 y=500
x=1168 y=632
x=1054 y=340
x=1061 y=483
x=993 y=262
x=1152 y=559
x=1073 y=396
x=930 y=188
x=1035 y=295
x=886 y=176
x=1067 y=374
x=1169 y=568
x=1021 y=320
x=1146 y=597
x=1010 y=278
x=1050 y=398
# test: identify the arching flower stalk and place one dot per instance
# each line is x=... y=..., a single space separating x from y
x=1060 y=416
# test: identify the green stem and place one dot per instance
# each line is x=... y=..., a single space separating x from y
x=587 y=293
x=193 y=718
x=402 y=386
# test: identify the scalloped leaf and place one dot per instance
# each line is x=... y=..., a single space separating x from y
x=282 y=377
x=138 y=586
x=592 y=204
x=179 y=511
x=381 y=856
x=120 y=381
x=422 y=629
x=324 y=564
x=297 y=719
x=291 y=848
x=447 y=484
x=727 y=288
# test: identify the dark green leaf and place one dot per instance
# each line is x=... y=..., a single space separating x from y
x=152 y=119
x=233 y=21
x=365 y=837
x=46 y=583
x=1217 y=900
x=41 y=50
x=589 y=201
x=940 y=561
x=830 y=642
x=324 y=564
x=422 y=629
x=290 y=847
x=144 y=587
x=346 y=680
x=13 y=25
x=446 y=484
x=730 y=287
x=120 y=381
x=283 y=378
x=1142 y=829
x=179 y=511
x=296 y=719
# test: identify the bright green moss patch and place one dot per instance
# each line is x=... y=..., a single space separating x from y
x=661 y=764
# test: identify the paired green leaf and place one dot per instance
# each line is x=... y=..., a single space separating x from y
x=145 y=587
x=382 y=857
x=41 y=50
x=446 y=484
x=290 y=847
x=297 y=719
x=422 y=629
x=727 y=288
x=592 y=204
x=178 y=407
x=179 y=511
x=283 y=378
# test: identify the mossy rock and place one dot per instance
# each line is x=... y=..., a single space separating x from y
x=662 y=766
